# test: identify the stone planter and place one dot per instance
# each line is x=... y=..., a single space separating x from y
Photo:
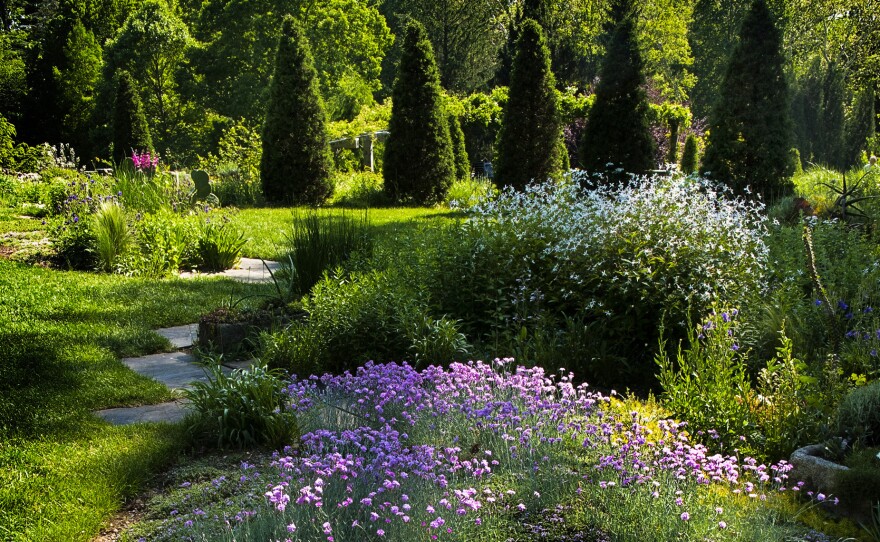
x=823 y=476
x=224 y=339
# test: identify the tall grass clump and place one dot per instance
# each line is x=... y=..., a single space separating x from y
x=112 y=236
x=319 y=242
x=220 y=246
x=243 y=408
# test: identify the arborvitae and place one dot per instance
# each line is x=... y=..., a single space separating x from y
x=859 y=127
x=419 y=165
x=672 y=156
x=750 y=129
x=689 y=155
x=130 y=129
x=617 y=130
x=459 y=150
x=817 y=115
x=296 y=162
x=528 y=143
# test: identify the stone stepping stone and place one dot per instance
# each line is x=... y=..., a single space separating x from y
x=171 y=412
x=180 y=336
x=177 y=370
x=248 y=270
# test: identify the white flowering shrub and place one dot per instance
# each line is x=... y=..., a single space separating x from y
x=626 y=258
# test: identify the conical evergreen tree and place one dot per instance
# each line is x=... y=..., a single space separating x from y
x=528 y=143
x=689 y=155
x=859 y=127
x=296 y=162
x=130 y=129
x=459 y=149
x=617 y=130
x=750 y=129
x=419 y=165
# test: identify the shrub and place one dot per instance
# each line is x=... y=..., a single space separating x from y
x=707 y=384
x=622 y=257
x=112 y=236
x=296 y=162
x=245 y=408
x=459 y=148
x=529 y=144
x=418 y=164
x=858 y=415
x=469 y=192
x=166 y=243
x=362 y=190
x=219 y=246
x=689 y=155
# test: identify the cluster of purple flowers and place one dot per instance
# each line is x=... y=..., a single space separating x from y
x=364 y=473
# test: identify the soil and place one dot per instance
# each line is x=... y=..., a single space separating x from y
x=132 y=513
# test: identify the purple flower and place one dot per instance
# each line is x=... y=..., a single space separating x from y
x=685 y=516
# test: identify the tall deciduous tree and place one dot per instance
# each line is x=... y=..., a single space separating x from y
x=296 y=162
x=419 y=165
x=130 y=129
x=151 y=46
x=528 y=145
x=617 y=129
x=463 y=34
x=750 y=131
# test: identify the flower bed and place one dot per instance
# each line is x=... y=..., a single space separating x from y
x=480 y=450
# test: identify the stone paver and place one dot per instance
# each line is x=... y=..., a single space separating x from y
x=177 y=370
x=180 y=336
x=171 y=412
x=248 y=270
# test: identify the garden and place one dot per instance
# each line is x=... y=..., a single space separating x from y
x=563 y=279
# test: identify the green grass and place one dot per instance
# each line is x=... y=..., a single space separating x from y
x=62 y=471
x=265 y=228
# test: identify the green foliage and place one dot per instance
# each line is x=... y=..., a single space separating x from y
x=817 y=111
x=351 y=94
x=469 y=192
x=860 y=127
x=419 y=165
x=166 y=244
x=529 y=142
x=112 y=236
x=858 y=415
x=348 y=39
x=296 y=163
x=318 y=243
x=459 y=148
x=242 y=409
x=236 y=166
x=707 y=384
x=78 y=82
x=617 y=129
x=360 y=190
x=219 y=246
x=130 y=129
x=481 y=123
x=151 y=46
x=749 y=137
x=7 y=143
x=689 y=155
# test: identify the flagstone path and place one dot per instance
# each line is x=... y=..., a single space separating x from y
x=179 y=370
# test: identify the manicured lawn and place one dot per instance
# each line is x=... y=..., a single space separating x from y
x=62 y=471
x=266 y=227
